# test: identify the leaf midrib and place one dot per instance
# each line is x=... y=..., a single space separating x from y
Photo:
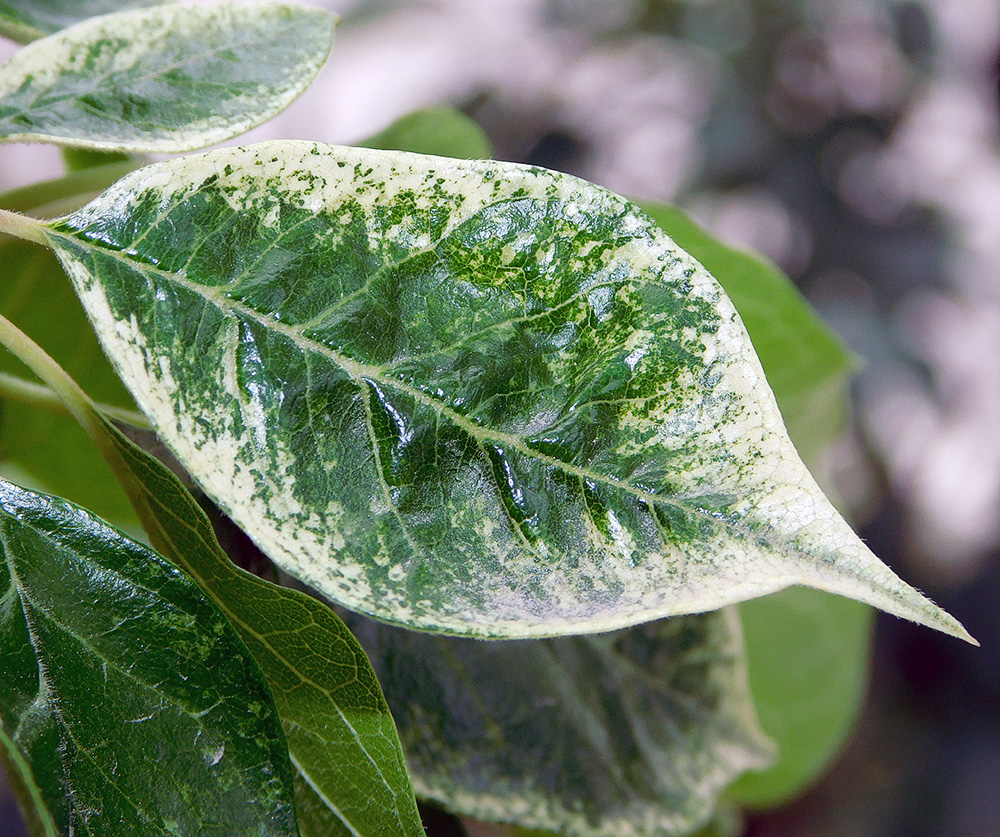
x=359 y=373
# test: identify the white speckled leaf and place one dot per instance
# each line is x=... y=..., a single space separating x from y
x=462 y=396
x=28 y=20
x=169 y=78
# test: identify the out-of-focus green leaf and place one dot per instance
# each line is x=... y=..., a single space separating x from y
x=807 y=651
x=28 y=20
x=39 y=448
x=169 y=78
x=442 y=131
x=163 y=722
x=463 y=396
x=633 y=732
x=807 y=655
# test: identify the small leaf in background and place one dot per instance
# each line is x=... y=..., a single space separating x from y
x=39 y=448
x=350 y=775
x=170 y=78
x=28 y=20
x=164 y=722
x=632 y=732
x=462 y=396
x=442 y=131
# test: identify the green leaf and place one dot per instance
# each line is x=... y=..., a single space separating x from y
x=164 y=723
x=807 y=655
x=170 y=78
x=40 y=448
x=442 y=130
x=462 y=396
x=28 y=20
x=437 y=768
x=634 y=732
x=807 y=651
x=807 y=366
x=350 y=775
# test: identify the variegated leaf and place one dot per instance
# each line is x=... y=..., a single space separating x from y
x=633 y=733
x=28 y=20
x=463 y=396
x=170 y=78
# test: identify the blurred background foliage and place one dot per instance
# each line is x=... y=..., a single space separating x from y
x=855 y=144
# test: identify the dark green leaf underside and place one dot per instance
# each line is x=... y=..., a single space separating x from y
x=463 y=396
x=171 y=78
x=160 y=718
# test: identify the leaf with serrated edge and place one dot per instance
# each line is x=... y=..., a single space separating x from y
x=462 y=396
x=28 y=20
x=632 y=733
x=165 y=724
x=171 y=78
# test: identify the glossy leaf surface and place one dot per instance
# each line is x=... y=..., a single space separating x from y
x=170 y=78
x=161 y=720
x=350 y=775
x=463 y=396
x=634 y=732
x=28 y=20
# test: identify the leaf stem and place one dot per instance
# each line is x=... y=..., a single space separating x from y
x=37 y=395
x=77 y=402
x=21 y=226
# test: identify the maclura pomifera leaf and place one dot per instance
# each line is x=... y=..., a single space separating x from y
x=170 y=78
x=468 y=397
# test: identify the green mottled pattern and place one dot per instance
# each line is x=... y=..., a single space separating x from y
x=171 y=78
x=27 y=20
x=142 y=693
x=464 y=396
x=350 y=777
x=632 y=733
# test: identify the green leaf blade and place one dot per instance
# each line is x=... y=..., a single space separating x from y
x=807 y=366
x=165 y=723
x=635 y=732
x=350 y=776
x=464 y=396
x=171 y=78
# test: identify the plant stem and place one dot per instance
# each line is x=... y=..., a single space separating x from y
x=21 y=226
x=77 y=402
x=37 y=395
